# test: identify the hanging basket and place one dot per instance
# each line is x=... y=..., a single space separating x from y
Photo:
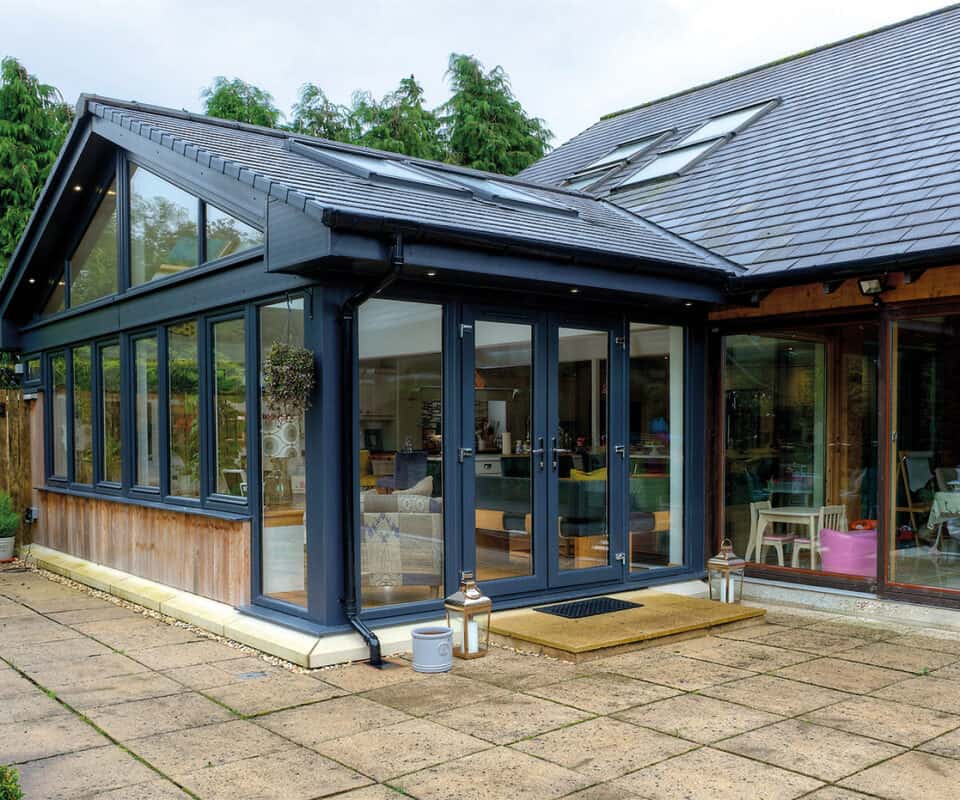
x=288 y=379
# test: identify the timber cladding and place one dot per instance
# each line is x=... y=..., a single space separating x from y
x=199 y=554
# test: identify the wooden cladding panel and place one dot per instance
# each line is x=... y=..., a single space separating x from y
x=199 y=554
x=934 y=284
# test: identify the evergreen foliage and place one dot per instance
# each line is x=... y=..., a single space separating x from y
x=10 y=784
x=235 y=99
x=33 y=123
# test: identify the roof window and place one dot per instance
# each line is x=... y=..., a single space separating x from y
x=497 y=192
x=726 y=124
x=670 y=162
x=618 y=156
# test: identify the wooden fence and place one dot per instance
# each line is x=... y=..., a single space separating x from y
x=15 y=465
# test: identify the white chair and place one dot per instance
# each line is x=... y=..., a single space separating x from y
x=770 y=539
x=833 y=517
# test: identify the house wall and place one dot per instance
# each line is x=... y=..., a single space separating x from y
x=209 y=556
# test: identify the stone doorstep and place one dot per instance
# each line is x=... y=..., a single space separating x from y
x=305 y=650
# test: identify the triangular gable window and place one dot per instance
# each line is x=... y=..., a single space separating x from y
x=164 y=228
x=56 y=302
x=227 y=235
x=93 y=264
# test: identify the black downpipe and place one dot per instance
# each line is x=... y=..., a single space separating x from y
x=348 y=313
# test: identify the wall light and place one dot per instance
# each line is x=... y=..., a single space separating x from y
x=873 y=286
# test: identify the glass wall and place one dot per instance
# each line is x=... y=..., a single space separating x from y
x=656 y=446
x=282 y=451
x=164 y=228
x=110 y=414
x=58 y=370
x=82 y=416
x=925 y=467
x=800 y=448
x=230 y=407
x=226 y=235
x=146 y=433
x=183 y=377
x=401 y=451
x=503 y=409
x=93 y=265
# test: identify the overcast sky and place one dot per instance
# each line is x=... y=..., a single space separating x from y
x=570 y=61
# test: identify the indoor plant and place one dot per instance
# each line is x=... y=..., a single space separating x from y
x=9 y=524
x=288 y=378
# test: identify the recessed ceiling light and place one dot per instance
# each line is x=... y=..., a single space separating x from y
x=574 y=291
x=431 y=274
x=688 y=304
x=78 y=188
x=31 y=280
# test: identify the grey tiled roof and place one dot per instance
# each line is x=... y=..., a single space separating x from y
x=599 y=229
x=860 y=159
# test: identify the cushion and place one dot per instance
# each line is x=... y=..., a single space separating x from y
x=371 y=502
x=596 y=475
x=422 y=487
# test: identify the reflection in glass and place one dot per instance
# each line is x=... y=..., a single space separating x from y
x=110 y=413
x=503 y=408
x=925 y=466
x=55 y=302
x=93 y=265
x=801 y=448
x=164 y=228
x=227 y=235
x=583 y=407
x=58 y=366
x=82 y=416
x=282 y=448
x=656 y=446
x=230 y=407
x=184 y=383
x=401 y=450
x=146 y=413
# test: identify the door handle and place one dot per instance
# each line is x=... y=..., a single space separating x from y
x=554 y=458
x=539 y=452
x=464 y=452
x=621 y=451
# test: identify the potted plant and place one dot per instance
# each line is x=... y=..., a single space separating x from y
x=9 y=525
x=288 y=379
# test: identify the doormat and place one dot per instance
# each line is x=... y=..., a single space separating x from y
x=589 y=607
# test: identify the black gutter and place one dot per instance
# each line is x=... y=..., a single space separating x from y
x=351 y=586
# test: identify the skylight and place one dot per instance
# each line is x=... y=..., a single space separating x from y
x=494 y=191
x=669 y=162
x=725 y=124
x=621 y=154
x=384 y=168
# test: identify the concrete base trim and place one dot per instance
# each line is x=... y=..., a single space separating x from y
x=221 y=619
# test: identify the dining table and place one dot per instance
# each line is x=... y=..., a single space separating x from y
x=790 y=515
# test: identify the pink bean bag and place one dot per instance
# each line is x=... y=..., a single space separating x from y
x=849 y=552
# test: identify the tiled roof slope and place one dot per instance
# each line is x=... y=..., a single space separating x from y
x=257 y=154
x=860 y=161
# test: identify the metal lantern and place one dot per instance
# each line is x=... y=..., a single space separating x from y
x=725 y=574
x=468 y=616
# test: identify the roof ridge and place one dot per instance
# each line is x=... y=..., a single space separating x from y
x=713 y=257
x=778 y=61
x=279 y=133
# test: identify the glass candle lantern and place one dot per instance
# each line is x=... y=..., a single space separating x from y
x=468 y=616
x=725 y=574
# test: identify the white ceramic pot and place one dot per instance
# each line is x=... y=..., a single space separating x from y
x=432 y=649
x=6 y=547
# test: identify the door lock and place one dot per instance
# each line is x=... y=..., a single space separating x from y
x=540 y=451
x=621 y=557
x=464 y=452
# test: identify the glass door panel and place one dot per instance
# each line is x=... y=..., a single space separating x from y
x=504 y=462
x=581 y=453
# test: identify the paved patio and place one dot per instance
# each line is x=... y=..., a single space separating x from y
x=97 y=700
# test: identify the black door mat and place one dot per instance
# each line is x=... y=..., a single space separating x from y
x=589 y=607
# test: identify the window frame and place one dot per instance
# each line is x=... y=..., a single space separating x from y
x=129 y=403
x=99 y=426
x=52 y=478
x=72 y=438
x=202 y=421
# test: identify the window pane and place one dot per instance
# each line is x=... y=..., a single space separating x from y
x=656 y=446
x=163 y=228
x=503 y=478
x=227 y=235
x=282 y=447
x=110 y=385
x=924 y=540
x=82 y=417
x=582 y=403
x=93 y=265
x=400 y=458
x=58 y=366
x=32 y=370
x=55 y=303
x=230 y=407
x=184 y=380
x=146 y=413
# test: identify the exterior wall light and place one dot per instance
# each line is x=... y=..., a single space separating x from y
x=870 y=287
x=468 y=616
x=725 y=574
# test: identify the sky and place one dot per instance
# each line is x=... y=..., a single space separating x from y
x=569 y=61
